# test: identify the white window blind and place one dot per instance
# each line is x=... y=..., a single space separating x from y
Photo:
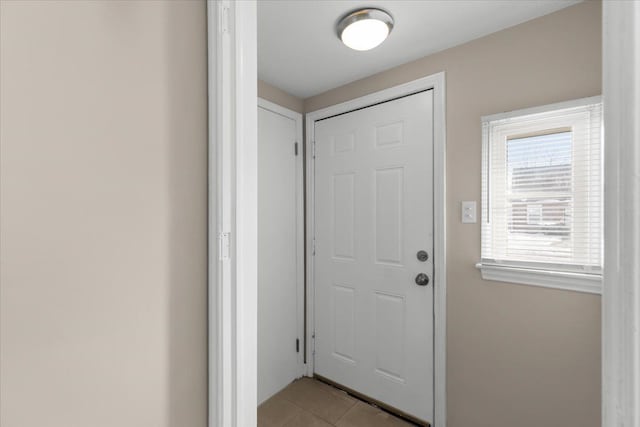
x=542 y=188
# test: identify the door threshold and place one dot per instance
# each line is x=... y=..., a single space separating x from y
x=383 y=406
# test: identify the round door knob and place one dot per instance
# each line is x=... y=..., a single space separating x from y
x=422 y=256
x=422 y=279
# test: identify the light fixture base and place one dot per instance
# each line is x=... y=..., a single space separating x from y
x=364 y=29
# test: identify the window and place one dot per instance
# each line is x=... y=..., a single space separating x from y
x=542 y=196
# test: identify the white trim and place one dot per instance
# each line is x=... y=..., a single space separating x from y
x=621 y=294
x=297 y=118
x=310 y=242
x=579 y=282
x=541 y=109
x=232 y=48
x=279 y=109
x=214 y=401
x=436 y=82
x=246 y=211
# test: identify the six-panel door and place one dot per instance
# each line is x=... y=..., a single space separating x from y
x=373 y=214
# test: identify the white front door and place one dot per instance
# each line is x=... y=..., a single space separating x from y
x=373 y=214
x=279 y=246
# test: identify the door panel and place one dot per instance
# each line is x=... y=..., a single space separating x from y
x=374 y=212
x=277 y=258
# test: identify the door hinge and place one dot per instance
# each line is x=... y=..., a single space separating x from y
x=296 y=148
x=313 y=248
x=297 y=345
x=224 y=17
x=224 y=246
x=314 y=149
x=313 y=343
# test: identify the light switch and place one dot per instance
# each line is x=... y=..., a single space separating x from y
x=469 y=212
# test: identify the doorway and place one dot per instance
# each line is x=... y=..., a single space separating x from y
x=233 y=242
x=373 y=253
x=375 y=208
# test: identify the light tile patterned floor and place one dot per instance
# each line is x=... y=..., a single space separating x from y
x=311 y=403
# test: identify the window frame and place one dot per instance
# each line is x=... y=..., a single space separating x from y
x=536 y=273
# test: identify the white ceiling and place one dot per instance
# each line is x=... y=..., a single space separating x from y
x=299 y=52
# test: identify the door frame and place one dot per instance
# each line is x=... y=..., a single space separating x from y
x=233 y=213
x=297 y=118
x=436 y=82
x=621 y=287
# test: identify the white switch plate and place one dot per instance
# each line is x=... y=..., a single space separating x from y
x=469 y=212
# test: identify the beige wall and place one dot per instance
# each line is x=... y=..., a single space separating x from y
x=103 y=214
x=518 y=356
x=280 y=97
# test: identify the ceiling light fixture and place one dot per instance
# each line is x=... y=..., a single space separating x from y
x=364 y=29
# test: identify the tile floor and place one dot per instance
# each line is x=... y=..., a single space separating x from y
x=311 y=403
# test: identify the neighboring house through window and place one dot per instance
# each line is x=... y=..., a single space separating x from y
x=542 y=213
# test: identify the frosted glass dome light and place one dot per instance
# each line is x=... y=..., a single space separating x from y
x=365 y=29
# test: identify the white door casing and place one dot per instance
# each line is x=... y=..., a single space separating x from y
x=233 y=208
x=374 y=212
x=280 y=248
x=621 y=289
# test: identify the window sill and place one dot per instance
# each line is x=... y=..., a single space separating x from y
x=578 y=282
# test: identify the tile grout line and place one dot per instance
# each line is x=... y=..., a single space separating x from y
x=303 y=409
x=300 y=407
x=367 y=403
x=355 y=402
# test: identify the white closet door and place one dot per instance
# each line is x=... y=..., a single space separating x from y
x=277 y=254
